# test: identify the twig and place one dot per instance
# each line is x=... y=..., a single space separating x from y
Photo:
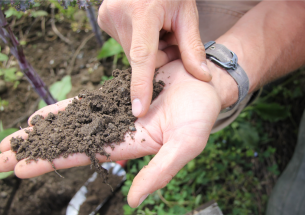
x=43 y=26
x=29 y=28
x=69 y=70
x=168 y=203
x=95 y=28
x=62 y=37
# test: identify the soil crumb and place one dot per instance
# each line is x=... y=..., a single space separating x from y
x=98 y=119
x=98 y=193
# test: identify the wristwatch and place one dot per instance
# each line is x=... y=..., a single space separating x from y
x=225 y=58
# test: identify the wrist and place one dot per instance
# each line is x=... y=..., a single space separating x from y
x=224 y=85
x=246 y=59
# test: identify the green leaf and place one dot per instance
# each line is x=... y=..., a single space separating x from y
x=39 y=13
x=248 y=134
x=3 y=57
x=5 y=174
x=191 y=165
x=13 y=12
x=105 y=78
x=272 y=112
x=59 y=90
x=7 y=132
x=110 y=48
x=9 y=12
x=9 y=74
x=125 y=60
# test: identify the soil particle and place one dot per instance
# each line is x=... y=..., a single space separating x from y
x=98 y=119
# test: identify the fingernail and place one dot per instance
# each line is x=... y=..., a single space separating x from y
x=142 y=199
x=205 y=68
x=136 y=107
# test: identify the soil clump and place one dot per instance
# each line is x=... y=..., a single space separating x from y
x=98 y=119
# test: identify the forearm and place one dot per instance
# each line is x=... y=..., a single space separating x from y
x=269 y=42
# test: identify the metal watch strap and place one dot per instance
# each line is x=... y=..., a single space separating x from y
x=228 y=60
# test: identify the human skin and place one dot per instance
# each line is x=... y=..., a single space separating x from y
x=175 y=128
x=269 y=42
x=137 y=26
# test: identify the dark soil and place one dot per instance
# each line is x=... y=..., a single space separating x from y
x=98 y=119
x=48 y=194
x=98 y=193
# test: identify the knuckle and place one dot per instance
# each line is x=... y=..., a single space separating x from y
x=139 y=54
x=197 y=45
x=139 y=83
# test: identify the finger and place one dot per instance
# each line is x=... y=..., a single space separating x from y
x=172 y=156
x=7 y=161
x=143 y=51
x=6 y=142
x=167 y=55
x=162 y=45
x=190 y=45
x=105 y=22
x=133 y=147
x=54 y=108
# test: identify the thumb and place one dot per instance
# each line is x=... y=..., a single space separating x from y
x=172 y=156
x=190 y=44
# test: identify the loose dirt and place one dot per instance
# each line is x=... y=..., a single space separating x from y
x=98 y=193
x=98 y=119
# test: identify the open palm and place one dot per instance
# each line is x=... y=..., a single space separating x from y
x=176 y=129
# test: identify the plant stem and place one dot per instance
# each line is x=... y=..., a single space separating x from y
x=9 y=38
x=94 y=25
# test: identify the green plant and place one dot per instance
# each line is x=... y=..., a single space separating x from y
x=67 y=12
x=59 y=90
x=105 y=78
x=3 y=104
x=10 y=74
x=11 y=11
x=112 y=48
x=3 y=134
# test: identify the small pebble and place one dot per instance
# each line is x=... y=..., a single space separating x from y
x=3 y=194
x=132 y=128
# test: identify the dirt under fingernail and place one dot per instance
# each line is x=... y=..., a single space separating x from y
x=99 y=119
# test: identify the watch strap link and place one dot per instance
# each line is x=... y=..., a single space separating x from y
x=227 y=59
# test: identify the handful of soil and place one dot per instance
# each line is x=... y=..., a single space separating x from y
x=99 y=119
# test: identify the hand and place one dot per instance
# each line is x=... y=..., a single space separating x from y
x=136 y=25
x=176 y=129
